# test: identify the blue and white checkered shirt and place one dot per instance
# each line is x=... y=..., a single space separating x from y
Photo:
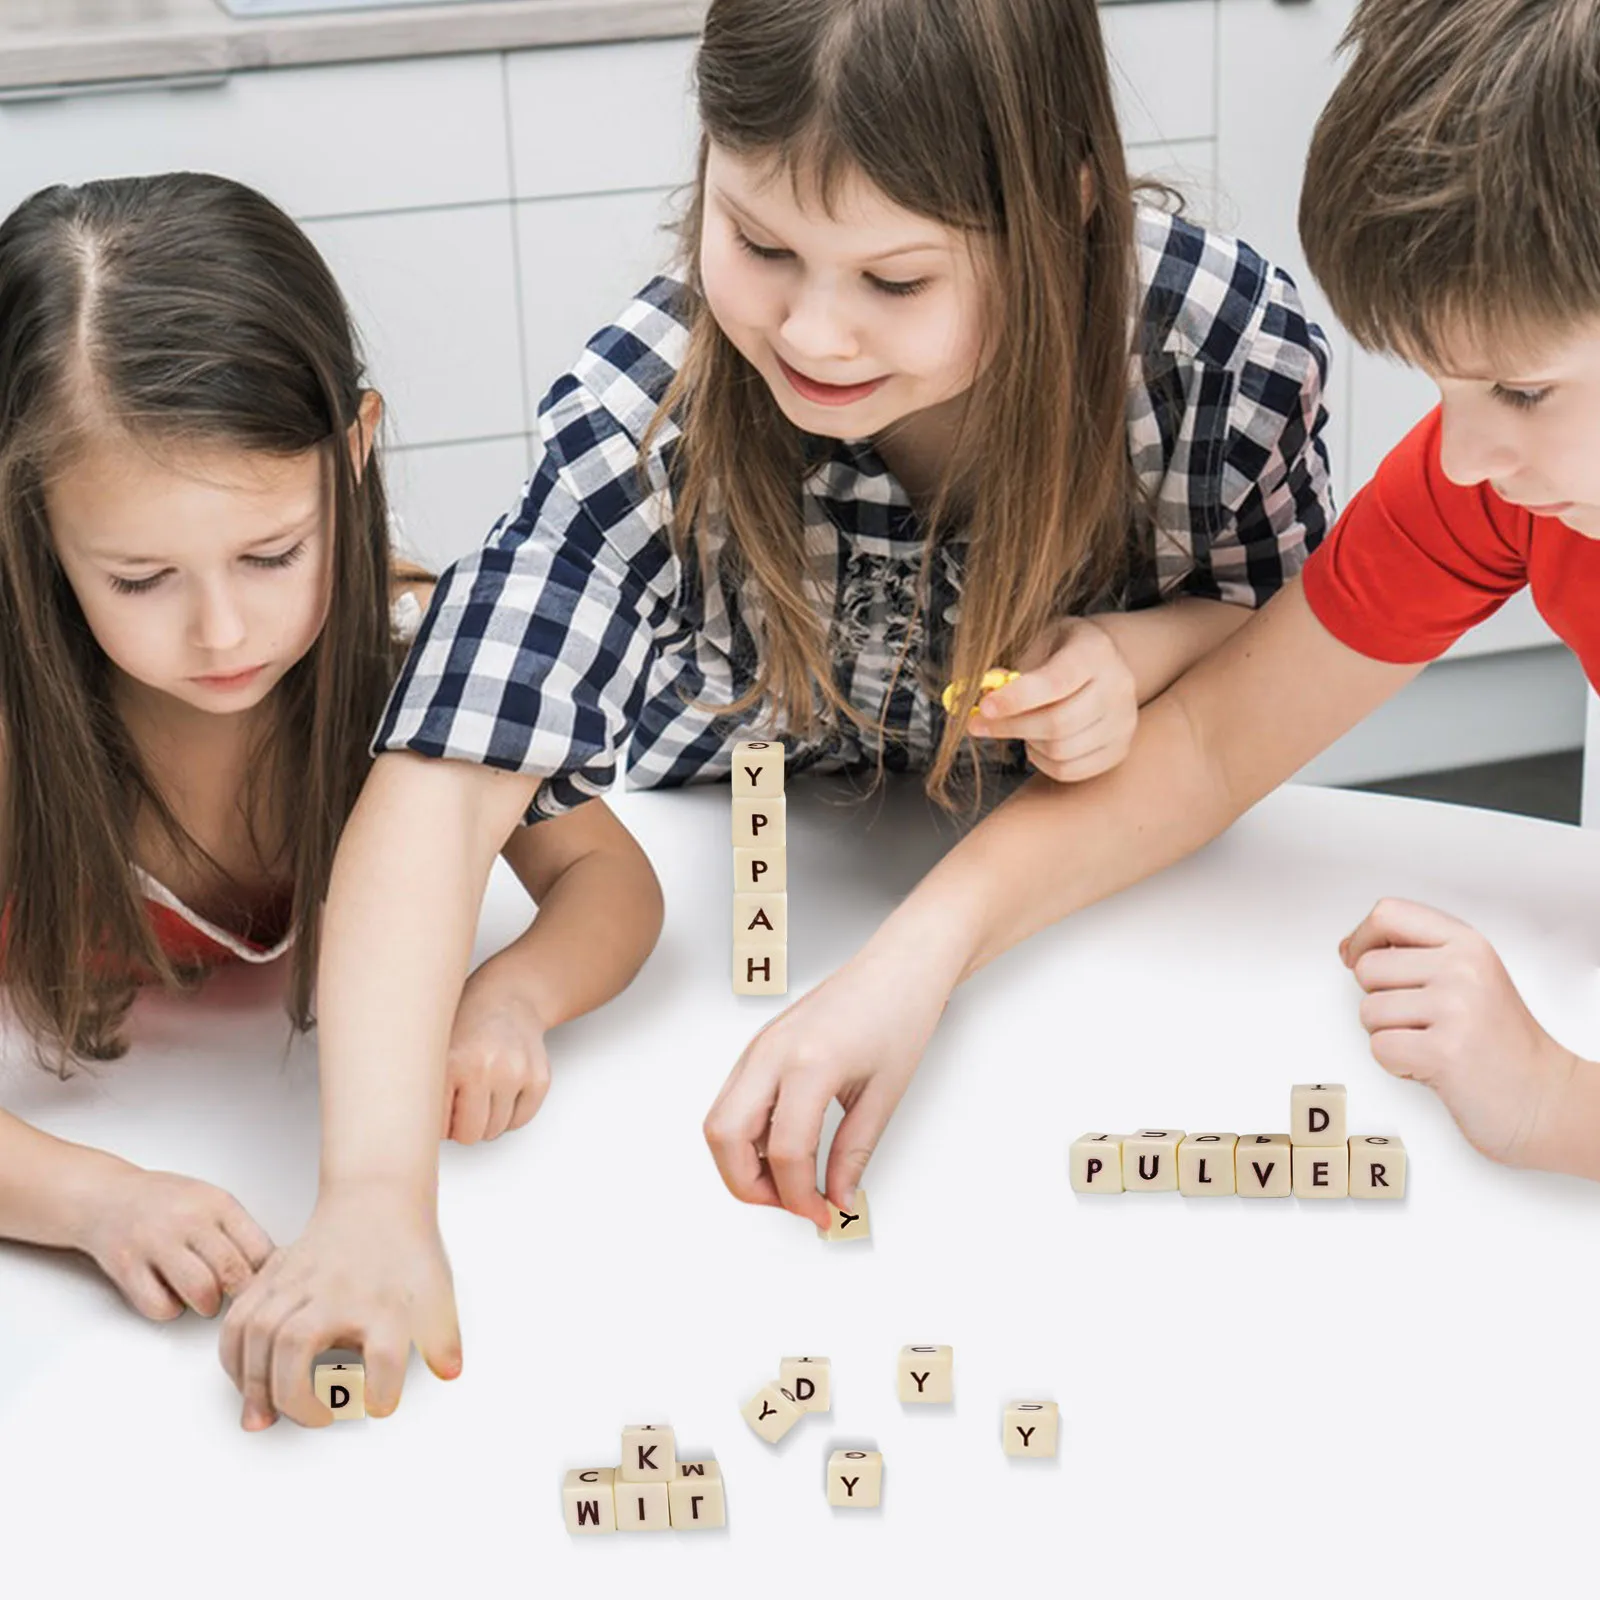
x=575 y=632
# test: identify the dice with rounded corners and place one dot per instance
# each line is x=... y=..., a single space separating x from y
x=772 y=1412
x=855 y=1478
x=1318 y=1114
x=1205 y=1164
x=1261 y=1166
x=757 y=772
x=588 y=1500
x=1030 y=1428
x=1150 y=1160
x=926 y=1374
x=809 y=1379
x=696 y=1498
x=845 y=1225
x=1097 y=1163
x=1321 y=1172
x=1377 y=1167
x=649 y=1454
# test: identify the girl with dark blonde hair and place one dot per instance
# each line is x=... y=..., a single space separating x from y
x=932 y=394
x=202 y=617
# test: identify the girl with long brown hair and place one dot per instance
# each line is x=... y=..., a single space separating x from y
x=200 y=619
x=932 y=394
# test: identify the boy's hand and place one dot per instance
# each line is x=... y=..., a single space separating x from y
x=370 y=1273
x=857 y=1038
x=168 y=1242
x=498 y=1070
x=1442 y=1009
x=1076 y=704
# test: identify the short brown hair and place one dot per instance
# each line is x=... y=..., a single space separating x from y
x=1453 y=185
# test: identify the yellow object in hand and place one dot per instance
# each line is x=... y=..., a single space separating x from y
x=994 y=678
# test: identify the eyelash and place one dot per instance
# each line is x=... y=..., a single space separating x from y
x=900 y=291
x=1521 y=399
x=265 y=563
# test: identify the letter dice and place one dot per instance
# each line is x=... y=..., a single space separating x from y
x=855 y=1478
x=1377 y=1168
x=772 y=1412
x=1150 y=1160
x=1030 y=1428
x=1317 y=1114
x=649 y=1455
x=809 y=1379
x=926 y=1374
x=1097 y=1163
x=757 y=769
x=342 y=1387
x=588 y=1499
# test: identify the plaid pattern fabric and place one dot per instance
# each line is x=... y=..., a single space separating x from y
x=575 y=635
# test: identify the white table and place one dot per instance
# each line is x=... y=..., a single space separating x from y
x=1312 y=1399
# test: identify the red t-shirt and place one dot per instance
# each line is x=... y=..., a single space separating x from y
x=1416 y=560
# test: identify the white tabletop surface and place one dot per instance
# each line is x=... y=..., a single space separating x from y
x=1308 y=1398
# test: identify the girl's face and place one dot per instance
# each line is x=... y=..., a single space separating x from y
x=1531 y=432
x=204 y=575
x=856 y=320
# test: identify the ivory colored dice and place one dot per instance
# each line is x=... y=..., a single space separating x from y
x=342 y=1387
x=588 y=1499
x=809 y=1379
x=1205 y=1164
x=1317 y=1114
x=760 y=824
x=643 y=1507
x=760 y=871
x=1261 y=1166
x=853 y=1224
x=1150 y=1160
x=1030 y=1428
x=772 y=1412
x=927 y=1374
x=695 y=1498
x=761 y=919
x=855 y=1478
x=757 y=769
x=649 y=1454
x=1321 y=1172
x=760 y=968
x=1377 y=1168
x=1097 y=1163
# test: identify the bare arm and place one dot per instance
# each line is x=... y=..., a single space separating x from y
x=1161 y=643
x=1247 y=718
x=49 y=1187
x=396 y=944
x=600 y=913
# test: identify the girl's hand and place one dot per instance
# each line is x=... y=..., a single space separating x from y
x=856 y=1038
x=498 y=1071
x=1442 y=1009
x=1076 y=704
x=368 y=1273
x=168 y=1242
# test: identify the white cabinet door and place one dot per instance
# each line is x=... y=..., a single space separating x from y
x=435 y=298
x=594 y=119
x=580 y=261
x=446 y=497
x=320 y=141
x=1163 y=68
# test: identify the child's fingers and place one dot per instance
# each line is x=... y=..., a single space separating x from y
x=471 y=1119
x=1398 y=1008
x=500 y=1104
x=449 y=1115
x=1077 y=718
x=252 y=1239
x=147 y=1294
x=1396 y=967
x=191 y=1278
x=854 y=1140
x=736 y=1130
x=225 y=1260
x=255 y=1356
x=1399 y=922
x=1081 y=768
x=526 y=1106
x=300 y=1338
x=792 y=1146
x=1404 y=1053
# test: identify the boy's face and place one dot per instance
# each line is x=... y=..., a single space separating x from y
x=856 y=320
x=1530 y=431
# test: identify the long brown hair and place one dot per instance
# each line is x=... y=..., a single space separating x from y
x=183 y=310
x=984 y=116
x=1452 y=189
